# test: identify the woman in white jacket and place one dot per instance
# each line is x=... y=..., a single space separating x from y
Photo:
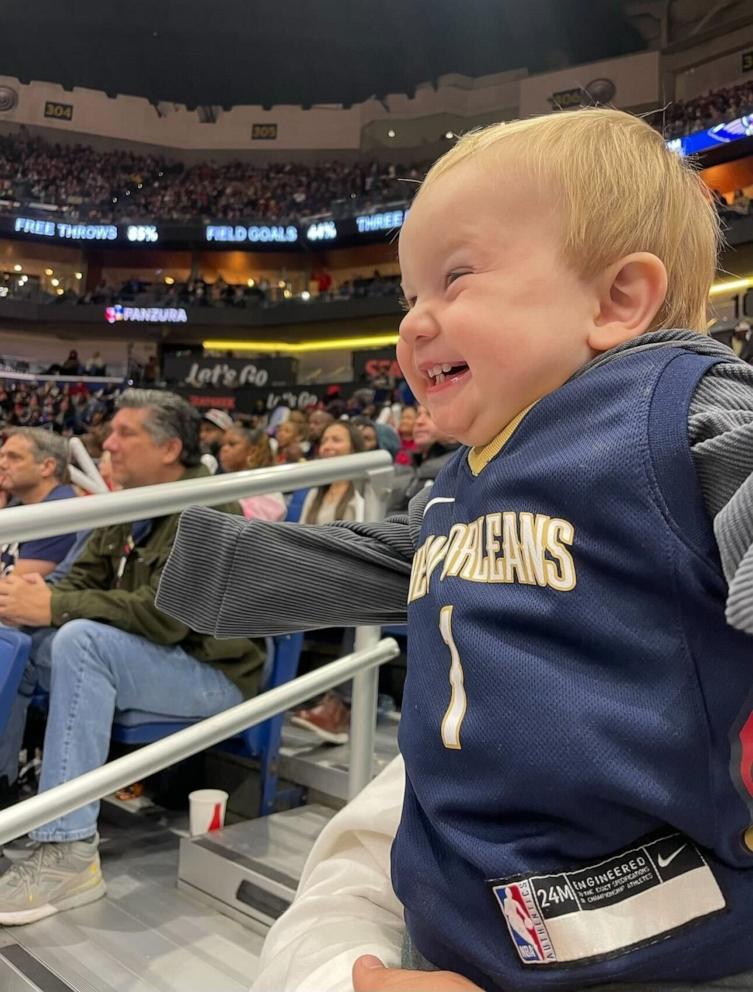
x=338 y=500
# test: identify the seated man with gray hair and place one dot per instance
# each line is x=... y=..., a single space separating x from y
x=34 y=469
x=100 y=646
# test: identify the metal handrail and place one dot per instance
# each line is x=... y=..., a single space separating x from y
x=24 y=523
x=101 y=380
x=46 y=806
x=45 y=520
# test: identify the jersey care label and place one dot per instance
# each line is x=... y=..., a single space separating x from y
x=629 y=899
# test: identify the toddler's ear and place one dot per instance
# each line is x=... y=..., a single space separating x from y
x=630 y=294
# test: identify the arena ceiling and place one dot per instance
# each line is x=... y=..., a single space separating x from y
x=226 y=52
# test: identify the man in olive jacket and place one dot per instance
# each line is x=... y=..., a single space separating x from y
x=100 y=645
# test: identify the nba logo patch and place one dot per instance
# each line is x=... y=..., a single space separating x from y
x=622 y=902
x=524 y=923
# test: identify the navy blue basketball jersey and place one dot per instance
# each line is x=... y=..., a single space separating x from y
x=577 y=724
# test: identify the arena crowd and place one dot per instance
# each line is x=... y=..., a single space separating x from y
x=201 y=292
x=86 y=184
x=725 y=104
x=35 y=422
x=122 y=185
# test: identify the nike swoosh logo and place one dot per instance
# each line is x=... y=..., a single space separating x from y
x=663 y=862
x=438 y=499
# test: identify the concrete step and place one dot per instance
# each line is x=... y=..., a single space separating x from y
x=250 y=871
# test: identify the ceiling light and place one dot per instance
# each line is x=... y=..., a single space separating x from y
x=79 y=275
x=169 y=280
x=55 y=282
x=48 y=272
x=731 y=286
x=17 y=268
x=250 y=283
x=391 y=133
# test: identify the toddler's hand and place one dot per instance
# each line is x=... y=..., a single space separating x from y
x=370 y=975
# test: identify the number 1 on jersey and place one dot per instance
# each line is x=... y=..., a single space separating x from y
x=453 y=718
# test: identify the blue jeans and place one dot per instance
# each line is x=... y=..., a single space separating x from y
x=91 y=670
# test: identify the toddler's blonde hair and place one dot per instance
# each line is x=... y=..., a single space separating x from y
x=621 y=190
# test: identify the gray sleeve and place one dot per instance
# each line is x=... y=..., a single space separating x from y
x=720 y=429
x=229 y=577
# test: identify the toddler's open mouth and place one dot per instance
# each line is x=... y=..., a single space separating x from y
x=445 y=371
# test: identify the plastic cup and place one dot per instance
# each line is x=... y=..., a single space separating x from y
x=206 y=810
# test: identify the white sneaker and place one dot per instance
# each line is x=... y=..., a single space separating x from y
x=53 y=878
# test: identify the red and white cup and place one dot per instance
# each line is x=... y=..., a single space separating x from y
x=206 y=810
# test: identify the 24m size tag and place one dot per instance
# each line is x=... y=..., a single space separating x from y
x=629 y=899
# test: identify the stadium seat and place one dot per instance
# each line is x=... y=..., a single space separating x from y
x=297 y=498
x=14 y=653
x=261 y=742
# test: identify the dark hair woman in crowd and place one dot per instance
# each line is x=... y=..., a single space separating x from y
x=242 y=450
x=339 y=500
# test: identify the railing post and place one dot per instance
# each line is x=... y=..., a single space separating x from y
x=363 y=717
x=366 y=684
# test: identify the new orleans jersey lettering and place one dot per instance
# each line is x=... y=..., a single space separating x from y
x=503 y=547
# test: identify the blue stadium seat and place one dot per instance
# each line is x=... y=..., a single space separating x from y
x=261 y=742
x=295 y=506
x=14 y=653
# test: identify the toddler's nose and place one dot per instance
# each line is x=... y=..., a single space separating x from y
x=419 y=322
